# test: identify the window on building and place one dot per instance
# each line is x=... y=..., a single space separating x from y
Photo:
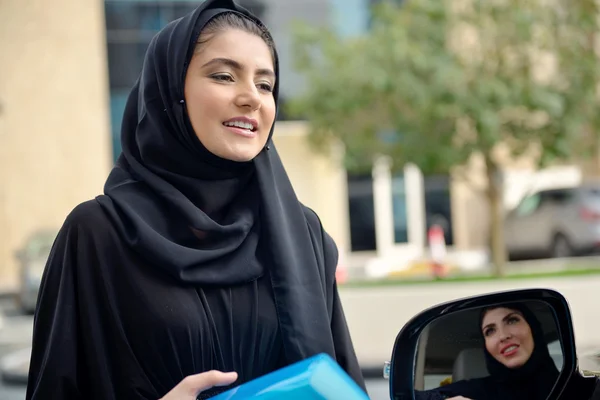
x=362 y=212
x=399 y=209
x=438 y=210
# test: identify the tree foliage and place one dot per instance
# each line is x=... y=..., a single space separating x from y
x=435 y=82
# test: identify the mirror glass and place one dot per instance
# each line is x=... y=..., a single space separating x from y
x=505 y=351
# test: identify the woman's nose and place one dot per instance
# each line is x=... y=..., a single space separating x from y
x=248 y=97
x=505 y=335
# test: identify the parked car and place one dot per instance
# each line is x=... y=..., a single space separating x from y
x=32 y=261
x=557 y=223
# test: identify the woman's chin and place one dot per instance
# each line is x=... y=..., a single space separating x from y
x=514 y=363
x=240 y=154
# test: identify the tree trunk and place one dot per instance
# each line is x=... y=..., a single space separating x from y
x=494 y=194
x=596 y=141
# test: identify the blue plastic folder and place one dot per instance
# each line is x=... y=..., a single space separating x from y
x=316 y=378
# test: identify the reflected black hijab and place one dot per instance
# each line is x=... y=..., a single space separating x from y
x=204 y=220
x=539 y=373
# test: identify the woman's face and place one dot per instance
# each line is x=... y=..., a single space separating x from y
x=507 y=336
x=229 y=94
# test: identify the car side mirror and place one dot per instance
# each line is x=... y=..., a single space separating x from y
x=499 y=345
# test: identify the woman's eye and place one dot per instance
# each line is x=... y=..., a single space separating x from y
x=265 y=86
x=513 y=320
x=488 y=332
x=224 y=78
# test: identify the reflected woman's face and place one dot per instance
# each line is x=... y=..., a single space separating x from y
x=508 y=337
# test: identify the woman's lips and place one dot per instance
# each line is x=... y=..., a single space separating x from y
x=510 y=350
x=241 y=131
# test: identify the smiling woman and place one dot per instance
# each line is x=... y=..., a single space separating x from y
x=199 y=258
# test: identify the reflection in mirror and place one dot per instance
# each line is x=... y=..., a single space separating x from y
x=505 y=351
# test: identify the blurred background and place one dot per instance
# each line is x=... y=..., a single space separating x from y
x=450 y=147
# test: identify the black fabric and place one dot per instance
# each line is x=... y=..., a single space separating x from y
x=109 y=326
x=533 y=381
x=596 y=390
x=188 y=262
x=580 y=387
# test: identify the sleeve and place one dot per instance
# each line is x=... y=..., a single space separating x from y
x=53 y=370
x=344 y=349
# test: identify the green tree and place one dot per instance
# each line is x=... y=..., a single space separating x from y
x=439 y=83
x=578 y=33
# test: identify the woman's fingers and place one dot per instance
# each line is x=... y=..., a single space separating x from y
x=201 y=382
x=190 y=386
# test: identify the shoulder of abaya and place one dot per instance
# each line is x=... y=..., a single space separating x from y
x=88 y=212
x=88 y=220
x=329 y=248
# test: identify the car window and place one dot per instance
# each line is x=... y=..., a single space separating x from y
x=592 y=194
x=528 y=205
x=559 y=196
x=555 y=350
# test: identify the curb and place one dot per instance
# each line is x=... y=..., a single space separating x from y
x=7 y=294
x=14 y=379
x=10 y=372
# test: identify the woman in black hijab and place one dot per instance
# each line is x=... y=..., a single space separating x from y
x=517 y=358
x=198 y=256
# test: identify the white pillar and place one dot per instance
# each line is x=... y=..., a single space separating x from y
x=415 y=205
x=382 y=199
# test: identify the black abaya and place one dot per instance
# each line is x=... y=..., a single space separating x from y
x=109 y=326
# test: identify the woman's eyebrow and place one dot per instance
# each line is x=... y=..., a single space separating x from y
x=507 y=316
x=488 y=326
x=238 y=66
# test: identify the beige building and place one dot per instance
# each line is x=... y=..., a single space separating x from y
x=54 y=126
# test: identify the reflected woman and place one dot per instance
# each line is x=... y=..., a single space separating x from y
x=517 y=358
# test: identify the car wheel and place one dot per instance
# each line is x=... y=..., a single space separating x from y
x=561 y=248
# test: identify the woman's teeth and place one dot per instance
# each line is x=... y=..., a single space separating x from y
x=239 y=124
x=509 y=349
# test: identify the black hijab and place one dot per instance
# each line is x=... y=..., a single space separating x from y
x=204 y=220
x=535 y=379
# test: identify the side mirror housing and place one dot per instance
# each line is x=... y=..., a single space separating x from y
x=430 y=351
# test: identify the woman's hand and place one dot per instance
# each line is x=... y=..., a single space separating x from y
x=191 y=386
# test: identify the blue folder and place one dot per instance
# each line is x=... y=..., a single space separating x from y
x=316 y=378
